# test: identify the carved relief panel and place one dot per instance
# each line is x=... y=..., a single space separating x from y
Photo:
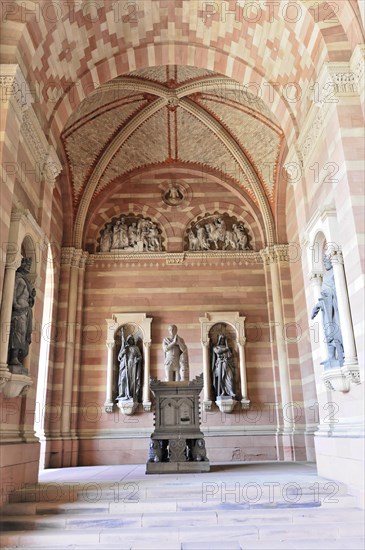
x=217 y=232
x=131 y=233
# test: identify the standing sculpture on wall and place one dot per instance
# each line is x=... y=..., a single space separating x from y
x=223 y=369
x=327 y=303
x=130 y=370
x=21 y=316
x=176 y=356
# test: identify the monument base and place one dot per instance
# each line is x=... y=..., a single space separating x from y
x=177 y=467
x=177 y=445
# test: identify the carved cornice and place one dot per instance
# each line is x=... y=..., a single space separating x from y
x=357 y=64
x=14 y=87
x=336 y=80
x=176 y=258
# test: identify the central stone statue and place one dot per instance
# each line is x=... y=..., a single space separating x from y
x=176 y=357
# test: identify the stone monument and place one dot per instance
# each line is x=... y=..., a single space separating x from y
x=177 y=443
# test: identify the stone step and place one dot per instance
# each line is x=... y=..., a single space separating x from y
x=194 y=538
x=147 y=520
x=206 y=491
x=187 y=505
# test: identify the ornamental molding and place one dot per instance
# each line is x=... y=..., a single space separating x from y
x=357 y=64
x=313 y=128
x=150 y=259
x=14 y=88
x=335 y=81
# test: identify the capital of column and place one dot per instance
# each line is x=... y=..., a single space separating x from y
x=316 y=277
x=268 y=255
x=336 y=257
x=77 y=257
x=74 y=257
x=110 y=345
x=66 y=255
x=13 y=261
x=83 y=259
x=242 y=341
x=275 y=253
x=147 y=344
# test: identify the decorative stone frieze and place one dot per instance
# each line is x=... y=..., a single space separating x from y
x=14 y=87
x=131 y=233
x=217 y=232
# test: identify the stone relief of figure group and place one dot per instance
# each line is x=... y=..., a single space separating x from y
x=140 y=235
x=210 y=235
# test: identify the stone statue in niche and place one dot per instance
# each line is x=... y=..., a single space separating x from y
x=176 y=356
x=21 y=316
x=327 y=303
x=218 y=232
x=130 y=370
x=131 y=234
x=223 y=369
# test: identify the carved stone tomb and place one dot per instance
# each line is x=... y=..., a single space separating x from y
x=177 y=444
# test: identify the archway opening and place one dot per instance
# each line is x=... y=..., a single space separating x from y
x=46 y=331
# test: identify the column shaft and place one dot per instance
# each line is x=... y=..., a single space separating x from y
x=344 y=310
x=281 y=348
x=5 y=313
x=206 y=371
x=109 y=374
x=243 y=377
x=146 y=373
x=70 y=350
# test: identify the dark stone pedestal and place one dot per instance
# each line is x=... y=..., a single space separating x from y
x=177 y=444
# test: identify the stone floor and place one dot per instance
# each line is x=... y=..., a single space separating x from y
x=263 y=506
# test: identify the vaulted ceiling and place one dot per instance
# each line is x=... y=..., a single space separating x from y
x=168 y=116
